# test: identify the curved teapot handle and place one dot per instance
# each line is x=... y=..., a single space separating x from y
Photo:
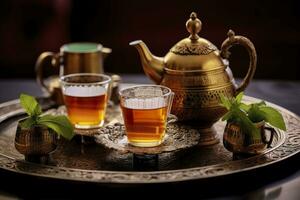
x=245 y=42
x=40 y=65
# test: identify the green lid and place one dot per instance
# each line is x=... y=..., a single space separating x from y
x=82 y=47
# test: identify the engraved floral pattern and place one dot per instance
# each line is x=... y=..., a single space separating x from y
x=193 y=49
x=290 y=146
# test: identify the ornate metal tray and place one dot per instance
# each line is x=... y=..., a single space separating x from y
x=95 y=163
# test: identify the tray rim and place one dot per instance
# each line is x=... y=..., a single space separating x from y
x=135 y=177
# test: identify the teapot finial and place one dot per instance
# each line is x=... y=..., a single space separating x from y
x=193 y=15
x=231 y=34
x=193 y=25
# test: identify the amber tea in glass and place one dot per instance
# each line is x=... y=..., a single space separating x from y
x=85 y=97
x=145 y=110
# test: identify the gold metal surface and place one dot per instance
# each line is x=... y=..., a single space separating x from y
x=36 y=141
x=153 y=65
x=198 y=73
x=237 y=141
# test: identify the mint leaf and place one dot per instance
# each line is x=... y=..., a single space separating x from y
x=245 y=107
x=248 y=127
x=60 y=124
x=227 y=116
x=255 y=114
x=37 y=110
x=225 y=102
x=262 y=103
x=273 y=117
x=30 y=105
x=239 y=97
x=240 y=117
x=27 y=123
x=60 y=130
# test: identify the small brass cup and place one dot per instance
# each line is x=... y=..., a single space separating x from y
x=35 y=143
x=237 y=141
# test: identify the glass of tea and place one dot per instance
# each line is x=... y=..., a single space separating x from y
x=145 y=110
x=85 y=97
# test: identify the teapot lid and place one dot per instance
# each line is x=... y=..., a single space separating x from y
x=194 y=52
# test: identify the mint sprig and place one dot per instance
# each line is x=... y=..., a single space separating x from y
x=31 y=106
x=59 y=124
x=236 y=114
x=246 y=115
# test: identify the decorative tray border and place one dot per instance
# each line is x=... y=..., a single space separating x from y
x=290 y=147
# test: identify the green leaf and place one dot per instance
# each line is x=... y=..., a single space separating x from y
x=60 y=124
x=27 y=123
x=239 y=97
x=255 y=114
x=248 y=127
x=227 y=116
x=225 y=102
x=273 y=117
x=38 y=110
x=262 y=103
x=60 y=130
x=30 y=105
x=244 y=107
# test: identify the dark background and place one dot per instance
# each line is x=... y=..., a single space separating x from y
x=27 y=28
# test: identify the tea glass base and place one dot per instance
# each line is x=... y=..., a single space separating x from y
x=145 y=144
x=87 y=130
x=81 y=126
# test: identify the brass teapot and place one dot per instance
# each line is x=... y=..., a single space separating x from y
x=198 y=73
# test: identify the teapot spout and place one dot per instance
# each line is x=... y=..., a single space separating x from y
x=153 y=66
